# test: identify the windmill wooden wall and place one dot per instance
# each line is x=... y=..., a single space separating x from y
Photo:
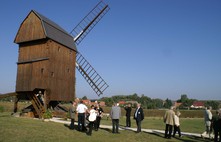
x=46 y=60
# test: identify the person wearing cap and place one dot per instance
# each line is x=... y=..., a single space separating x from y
x=169 y=121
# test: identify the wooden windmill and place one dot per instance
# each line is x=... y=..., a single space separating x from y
x=47 y=60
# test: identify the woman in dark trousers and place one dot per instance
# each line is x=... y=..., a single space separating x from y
x=98 y=119
x=91 y=119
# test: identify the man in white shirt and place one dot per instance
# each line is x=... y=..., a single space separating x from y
x=81 y=110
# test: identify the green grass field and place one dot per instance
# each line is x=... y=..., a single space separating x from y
x=13 y=129
x=20 y=129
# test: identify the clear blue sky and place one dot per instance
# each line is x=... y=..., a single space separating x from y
x=159 y=48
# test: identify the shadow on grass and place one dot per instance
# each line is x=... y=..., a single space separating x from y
x=68 y=126
x=106 y=129
x=182 y=139
x=76 y=128
x=127 y=128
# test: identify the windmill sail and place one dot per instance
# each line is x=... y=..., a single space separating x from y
x=92 y=77
x=79 y=33
x=89 y=21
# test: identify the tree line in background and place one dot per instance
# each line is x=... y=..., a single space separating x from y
x=148 y=103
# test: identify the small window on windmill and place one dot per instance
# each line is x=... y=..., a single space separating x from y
x=68 y=70
x=70 y=54
x=42 y=71
x=59 y=48
x=52 y=74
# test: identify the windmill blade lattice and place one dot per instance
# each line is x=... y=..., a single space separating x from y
x=92 y=77
x=89 y=21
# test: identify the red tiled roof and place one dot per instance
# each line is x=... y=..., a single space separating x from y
x=198 y=103
x=121 y=102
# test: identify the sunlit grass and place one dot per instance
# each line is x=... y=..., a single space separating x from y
x=35 y=130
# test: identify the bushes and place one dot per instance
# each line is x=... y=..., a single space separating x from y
x=2 y=109
x=47 y=114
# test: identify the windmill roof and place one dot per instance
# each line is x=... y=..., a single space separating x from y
x=55 y=32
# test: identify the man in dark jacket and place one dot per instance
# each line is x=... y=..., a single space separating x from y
x=128 y=113
x=216 y=124
x=138 y=116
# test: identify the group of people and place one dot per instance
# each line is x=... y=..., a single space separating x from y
x=213 y=124
x=93 y=115
x=171 y=119
x=115 y=114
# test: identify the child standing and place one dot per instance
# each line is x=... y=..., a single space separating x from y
x=177 y=124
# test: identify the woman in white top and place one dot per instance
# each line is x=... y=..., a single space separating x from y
x=91 y=119
x=177 y=124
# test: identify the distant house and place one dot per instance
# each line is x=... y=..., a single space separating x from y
x=93 y=102
x=198 y=105
x=121 y=103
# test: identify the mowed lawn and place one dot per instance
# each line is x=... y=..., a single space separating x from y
x=13 y=129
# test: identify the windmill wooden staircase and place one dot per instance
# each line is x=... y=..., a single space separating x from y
x=37 y=104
